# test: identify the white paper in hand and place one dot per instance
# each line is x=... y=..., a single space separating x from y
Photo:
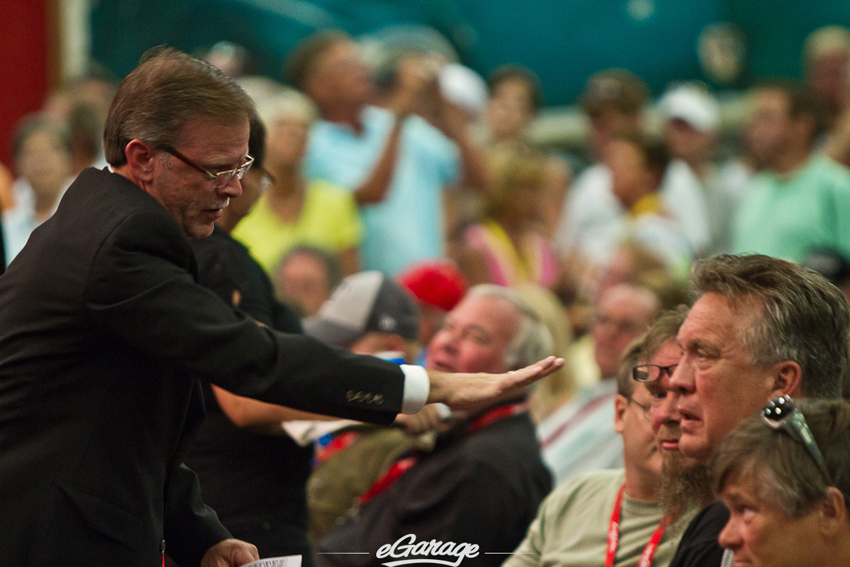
x=288 y=561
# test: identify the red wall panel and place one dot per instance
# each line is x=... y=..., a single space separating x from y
x=24 y=64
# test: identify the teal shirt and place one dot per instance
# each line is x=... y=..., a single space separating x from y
x=788 y=216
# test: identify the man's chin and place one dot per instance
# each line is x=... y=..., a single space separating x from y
x=200 y=230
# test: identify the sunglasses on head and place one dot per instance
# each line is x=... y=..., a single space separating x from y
x=782 y=414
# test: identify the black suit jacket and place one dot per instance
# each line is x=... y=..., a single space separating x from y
x=102 y=328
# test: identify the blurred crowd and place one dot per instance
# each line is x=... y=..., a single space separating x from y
x=399 y=207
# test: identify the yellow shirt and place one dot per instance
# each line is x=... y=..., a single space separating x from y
x=329 y=220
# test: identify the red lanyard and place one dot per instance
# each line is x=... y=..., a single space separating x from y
x=614 y=535
x=496 y=414
x=402 y=465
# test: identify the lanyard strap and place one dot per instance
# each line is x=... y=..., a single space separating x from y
x=403 y=465
x=614 y=535
x=496 y=414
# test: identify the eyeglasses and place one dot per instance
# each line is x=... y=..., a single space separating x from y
x=644 y=408
x=652 y=372
x=220 y=179
x=782 y=413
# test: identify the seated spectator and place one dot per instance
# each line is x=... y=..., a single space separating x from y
x=573 y=522
x=484 y=479
x=800 y=200
x=305 y=279
x=589 y=230
x=685 y=482
x=637 y=164
x=691 y=116
x=368 y=313
x=826 y=57
x=83 y=103
x=297 y=210
x=579 y=436
x=761 y=327
x=787 y=491
x=515 y=99
x=506 y=248
x=42 y=151
x=438 y=287
x=396 y=164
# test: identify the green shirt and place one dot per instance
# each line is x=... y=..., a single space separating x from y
x=787 y=216
x=328 y=220
x=571 y=527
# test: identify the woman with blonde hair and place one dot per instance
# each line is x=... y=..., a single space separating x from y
x=507 y=247
x=296 y=211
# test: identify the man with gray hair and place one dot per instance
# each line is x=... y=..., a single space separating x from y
x=104 y=332
x=483 y=481
x=760 y=328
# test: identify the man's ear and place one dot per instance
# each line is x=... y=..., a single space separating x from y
x=620 y=405
x=833 y=512
x=787 y=379
x=140 y=160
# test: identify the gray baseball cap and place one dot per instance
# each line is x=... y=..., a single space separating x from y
x=364 y=303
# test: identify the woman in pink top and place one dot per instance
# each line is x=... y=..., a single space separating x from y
x=507 y=247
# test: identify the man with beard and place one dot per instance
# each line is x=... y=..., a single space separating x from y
x=571 y=525
x=685 y=482
x=760 y=328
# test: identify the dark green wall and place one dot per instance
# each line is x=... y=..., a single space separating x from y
x=564 y=41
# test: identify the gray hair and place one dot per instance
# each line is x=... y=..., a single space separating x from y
x=533 y=340
x=779 y=467
x=797 y=315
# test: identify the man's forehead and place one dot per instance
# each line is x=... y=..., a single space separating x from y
x=215 y=136
x=490 y=312
x=716 y=317
x=627 y=301
x=669 y=353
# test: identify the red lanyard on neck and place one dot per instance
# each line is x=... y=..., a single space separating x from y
x=496 y=414
x=614 y=535
x=402 y=465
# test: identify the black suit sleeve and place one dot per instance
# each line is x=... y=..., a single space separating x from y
x=141 y=290
x=191 y=527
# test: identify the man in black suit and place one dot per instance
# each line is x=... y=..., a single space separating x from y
x=103 y=329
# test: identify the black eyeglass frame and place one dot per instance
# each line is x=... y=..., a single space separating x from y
x=641 y=372
x=220 y=179
x=782 y=414
x=644 y=408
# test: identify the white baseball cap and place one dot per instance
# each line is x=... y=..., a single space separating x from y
x=692 y=104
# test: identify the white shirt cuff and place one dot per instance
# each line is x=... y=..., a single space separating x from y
x=417 y=386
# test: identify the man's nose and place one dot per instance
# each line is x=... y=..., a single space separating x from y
x=232 y=188
x=664 y=411
x=682 y=379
